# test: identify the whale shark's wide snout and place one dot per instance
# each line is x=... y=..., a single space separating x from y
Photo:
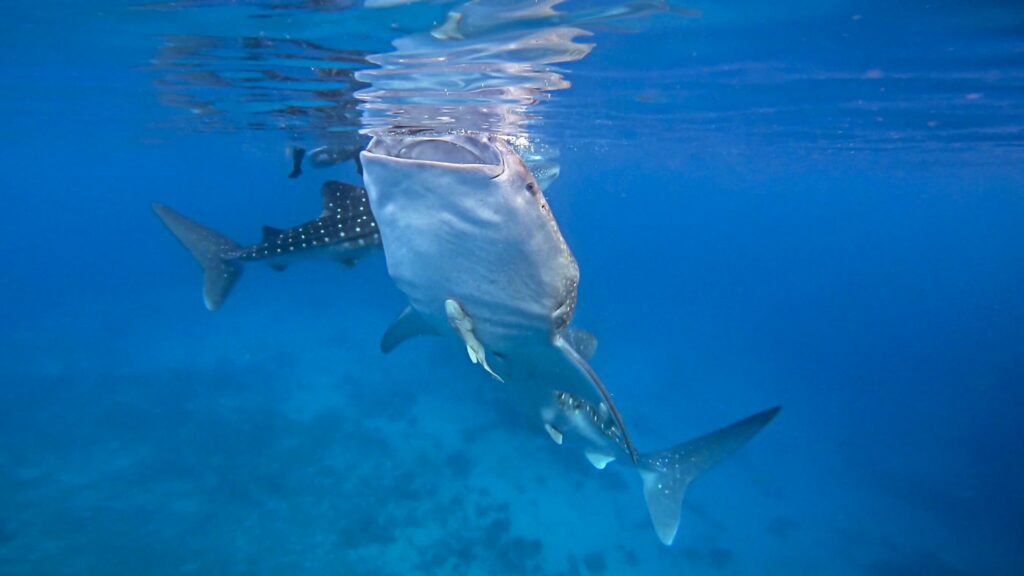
x=455 y=152
x=448 y=152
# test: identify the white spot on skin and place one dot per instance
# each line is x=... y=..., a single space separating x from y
x=555 y=434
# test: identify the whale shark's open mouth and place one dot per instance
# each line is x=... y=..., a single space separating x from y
x=447 y=151
x=442 y=151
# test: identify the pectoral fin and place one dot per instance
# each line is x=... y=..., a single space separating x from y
x=408 y=325
x=555 y=433
x=598 y=460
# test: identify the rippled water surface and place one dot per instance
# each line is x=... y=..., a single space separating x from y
x=813 y=205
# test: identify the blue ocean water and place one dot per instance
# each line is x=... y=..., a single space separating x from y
x=817 y=206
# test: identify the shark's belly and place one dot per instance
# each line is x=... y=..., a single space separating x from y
x=508 y=269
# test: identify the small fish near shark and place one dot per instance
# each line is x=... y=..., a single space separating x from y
x=345 y=232
x=469 y=238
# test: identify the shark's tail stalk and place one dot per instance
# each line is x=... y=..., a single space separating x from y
x=212 y=250
x=667 y=474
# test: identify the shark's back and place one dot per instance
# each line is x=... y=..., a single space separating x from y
x=346 y=227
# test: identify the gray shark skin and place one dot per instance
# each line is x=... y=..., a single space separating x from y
x=471 y=241
x=345 y=232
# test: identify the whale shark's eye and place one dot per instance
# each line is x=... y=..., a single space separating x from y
x=531 y=188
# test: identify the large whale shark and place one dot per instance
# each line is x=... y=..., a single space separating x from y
x=469 y=238
x=344 y=232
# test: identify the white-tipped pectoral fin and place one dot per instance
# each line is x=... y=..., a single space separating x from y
x=598 y=460
x=555 y=433
x=408 y=325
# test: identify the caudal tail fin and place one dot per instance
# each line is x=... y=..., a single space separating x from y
x=212 y=250
x=667 y=474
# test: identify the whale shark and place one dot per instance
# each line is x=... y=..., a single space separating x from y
x=345 y=231
x=471 y=241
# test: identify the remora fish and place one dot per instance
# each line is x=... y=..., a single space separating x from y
x=345 y=232
x=469 y=238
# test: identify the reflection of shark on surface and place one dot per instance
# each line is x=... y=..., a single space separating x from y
x=469 y=238
x=345 y=232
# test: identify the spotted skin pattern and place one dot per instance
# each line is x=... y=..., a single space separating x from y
x=345 y=227
x=600 y=420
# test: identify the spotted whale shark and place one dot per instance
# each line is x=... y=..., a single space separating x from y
x=345 y=231
x=471 y=241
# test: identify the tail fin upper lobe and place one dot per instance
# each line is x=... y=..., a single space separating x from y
x=667 y=474
x=212 y=250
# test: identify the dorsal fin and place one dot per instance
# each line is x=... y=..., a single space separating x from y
x=271 y=233
x=341 y=197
